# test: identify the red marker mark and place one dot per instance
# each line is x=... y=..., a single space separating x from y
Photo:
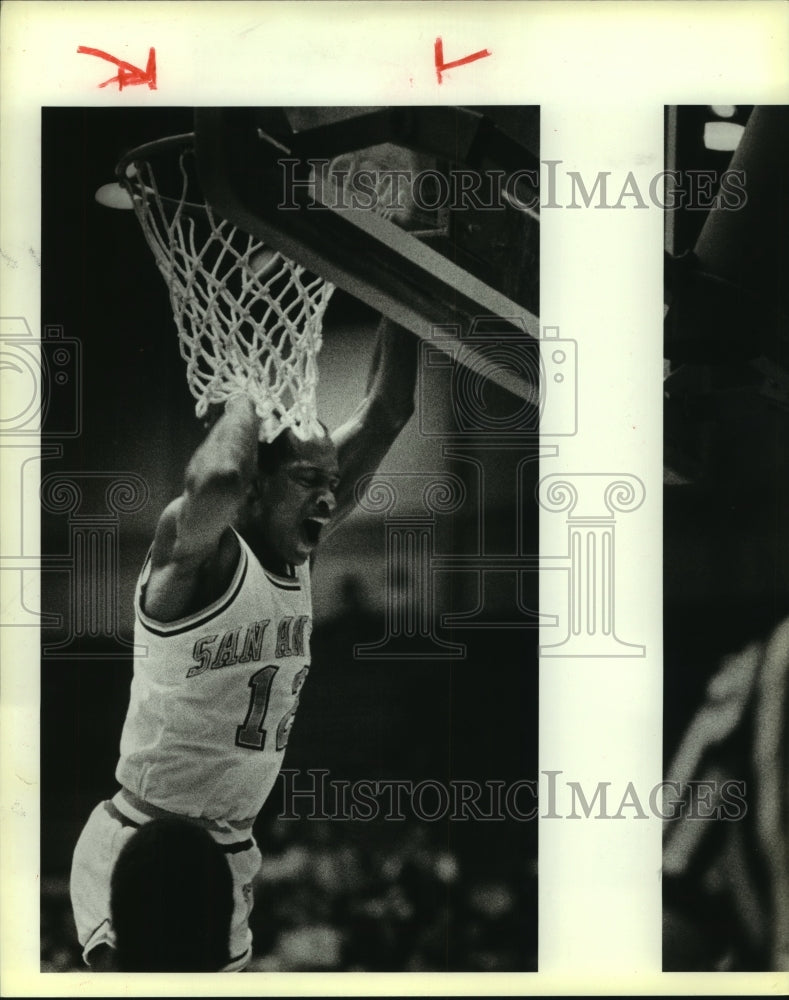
x=441 y=65
x=128 y=75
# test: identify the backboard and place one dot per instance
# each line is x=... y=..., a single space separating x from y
x=427 y=214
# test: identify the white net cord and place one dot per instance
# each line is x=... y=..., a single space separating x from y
x=249 y=320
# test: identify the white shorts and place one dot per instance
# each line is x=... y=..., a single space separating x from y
x=107 y=830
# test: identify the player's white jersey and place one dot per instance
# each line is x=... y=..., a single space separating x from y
x=213 y=701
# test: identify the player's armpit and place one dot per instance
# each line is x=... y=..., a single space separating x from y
x=203 y=514
x=184 y=577
x=179 y=542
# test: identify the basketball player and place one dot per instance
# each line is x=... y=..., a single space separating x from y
x=223 y=607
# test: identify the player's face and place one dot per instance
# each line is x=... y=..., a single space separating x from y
x=298 y=499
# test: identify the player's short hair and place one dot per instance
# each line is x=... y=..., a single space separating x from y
x=271 y=454
x=171 y=900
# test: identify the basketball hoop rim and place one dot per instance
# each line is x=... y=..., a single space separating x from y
x=155 y=148
x=238 y=331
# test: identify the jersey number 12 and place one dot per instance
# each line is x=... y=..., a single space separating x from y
x=252 y=734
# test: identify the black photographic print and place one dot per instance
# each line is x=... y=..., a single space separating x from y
x=725 y=872
x=399 y=833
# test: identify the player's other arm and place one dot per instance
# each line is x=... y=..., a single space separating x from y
x=193 y=530
x=367 y=436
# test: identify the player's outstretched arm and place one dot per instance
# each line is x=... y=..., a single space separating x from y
x=218 y=478
x=368 y=435
x=191 y=530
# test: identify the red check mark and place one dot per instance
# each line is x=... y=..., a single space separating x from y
x=441 y=66
x=128 y=75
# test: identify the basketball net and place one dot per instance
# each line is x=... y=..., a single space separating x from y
x=249 y=320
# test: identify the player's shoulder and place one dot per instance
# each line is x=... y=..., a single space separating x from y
x=223 y=552
x=179 y=584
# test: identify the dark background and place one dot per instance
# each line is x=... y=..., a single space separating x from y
x=388 y=896
x=726 y=574
x=726 y=540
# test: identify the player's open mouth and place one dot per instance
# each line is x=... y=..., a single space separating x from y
x=312 y=527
